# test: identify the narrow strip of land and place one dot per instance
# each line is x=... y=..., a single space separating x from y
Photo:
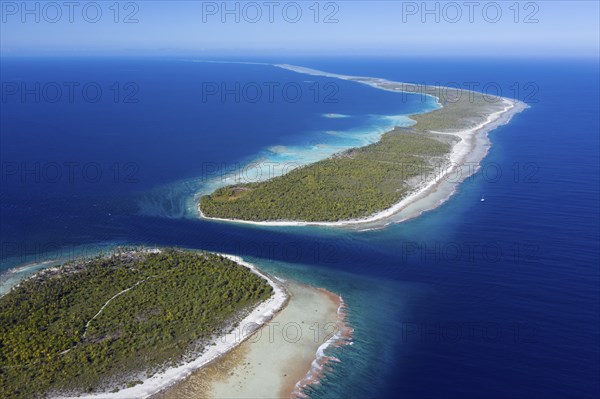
x=371 y=183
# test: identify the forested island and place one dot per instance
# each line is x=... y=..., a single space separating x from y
x=107 y=323
x=361 y=182
x=349 y=185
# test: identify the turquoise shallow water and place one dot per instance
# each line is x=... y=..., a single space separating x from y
x=499 y=298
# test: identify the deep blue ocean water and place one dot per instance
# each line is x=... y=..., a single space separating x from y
x=498 y=298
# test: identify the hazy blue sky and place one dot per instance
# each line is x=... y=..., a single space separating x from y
x=566 y=28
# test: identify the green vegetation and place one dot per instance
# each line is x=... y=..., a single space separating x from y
x=53 y=338
x=350 y=185
x=460 y=109
x=360 y=182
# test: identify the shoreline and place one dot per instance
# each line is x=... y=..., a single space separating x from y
x=12 y=277
x=473 y=140
x=342 y=336
x=258 y=317
x=18 y=271
x=273 y=363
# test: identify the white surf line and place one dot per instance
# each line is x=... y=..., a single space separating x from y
x=369 y=81
x=341 y=337
x=107 y=302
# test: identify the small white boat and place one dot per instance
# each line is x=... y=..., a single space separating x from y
x=482 y=198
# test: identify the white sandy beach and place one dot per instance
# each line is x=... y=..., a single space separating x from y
x=463 y=161
x=258 y=317
x=280 y=359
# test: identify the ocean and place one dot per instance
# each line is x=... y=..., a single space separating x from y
x=498 y=298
